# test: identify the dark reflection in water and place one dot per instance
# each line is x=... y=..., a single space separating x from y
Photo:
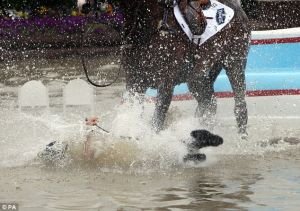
x=212 y=191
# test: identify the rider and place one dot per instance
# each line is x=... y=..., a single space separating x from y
x=57 y=150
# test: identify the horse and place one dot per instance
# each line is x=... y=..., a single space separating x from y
x=161 y=59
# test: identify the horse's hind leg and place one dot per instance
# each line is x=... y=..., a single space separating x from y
x=235 y=71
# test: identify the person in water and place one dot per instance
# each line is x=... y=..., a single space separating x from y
x=88 y=151
x=56 y=151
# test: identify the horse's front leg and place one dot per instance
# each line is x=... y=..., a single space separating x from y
x=164 y=98
x=235 y=71
x=201 y=87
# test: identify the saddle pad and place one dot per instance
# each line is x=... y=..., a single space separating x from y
x=221 y=15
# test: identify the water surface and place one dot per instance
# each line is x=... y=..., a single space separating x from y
x=147 y=174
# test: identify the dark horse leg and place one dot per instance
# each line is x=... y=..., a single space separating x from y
x=164 y=98
x=203 y=91
x=236 y=74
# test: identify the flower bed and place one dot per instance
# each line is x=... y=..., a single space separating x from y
x=58 y=31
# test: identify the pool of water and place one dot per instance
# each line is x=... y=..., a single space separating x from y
x=146 y=173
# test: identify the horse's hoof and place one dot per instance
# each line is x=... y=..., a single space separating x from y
x=244 y=136
x=198 y=157
x=156 y=125
x=243 y=133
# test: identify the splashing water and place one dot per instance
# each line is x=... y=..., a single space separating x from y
x=131 y=143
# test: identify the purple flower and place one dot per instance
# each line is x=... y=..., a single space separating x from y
x=11 y=29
